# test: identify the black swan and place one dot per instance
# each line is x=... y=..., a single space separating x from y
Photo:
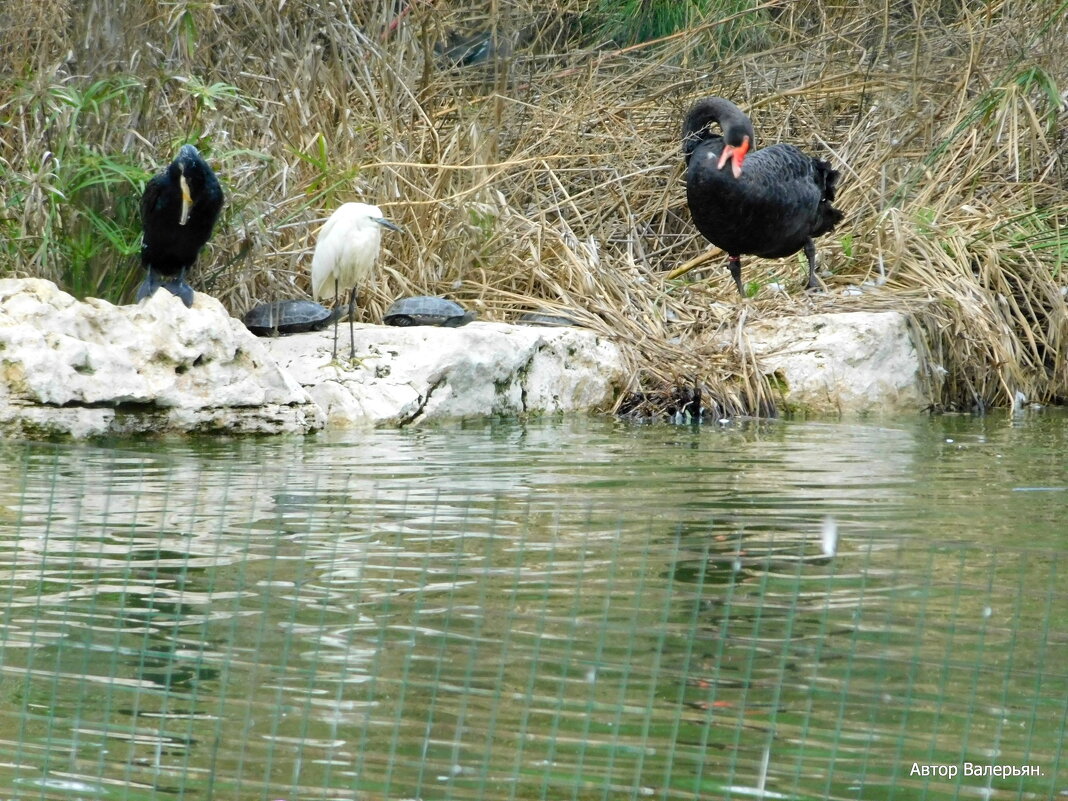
x=768 y=203
x=178 y=210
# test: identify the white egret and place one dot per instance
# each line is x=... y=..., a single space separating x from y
x=345 y=252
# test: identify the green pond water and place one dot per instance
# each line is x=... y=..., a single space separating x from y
x=578 y=609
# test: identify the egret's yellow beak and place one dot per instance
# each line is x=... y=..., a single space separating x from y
x=187 y=200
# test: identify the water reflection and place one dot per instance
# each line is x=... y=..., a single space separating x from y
x=562 y=609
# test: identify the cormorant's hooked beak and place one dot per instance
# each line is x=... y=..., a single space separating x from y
x=387 y=224
x=736 y=155
x=187 y=199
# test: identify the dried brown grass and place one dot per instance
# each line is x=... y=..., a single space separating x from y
x=550 y=178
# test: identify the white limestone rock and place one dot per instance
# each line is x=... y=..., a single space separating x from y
x=411 y=375
x=849 y=363
x=90 y=368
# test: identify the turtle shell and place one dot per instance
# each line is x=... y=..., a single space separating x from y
x=427 y=310
x=288 y=317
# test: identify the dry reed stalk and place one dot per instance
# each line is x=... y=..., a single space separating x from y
x=550 y=177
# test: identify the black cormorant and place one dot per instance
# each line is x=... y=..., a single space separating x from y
x=178 y=211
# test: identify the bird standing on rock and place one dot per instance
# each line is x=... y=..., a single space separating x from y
x=179 y=208
x=345 y=252
x=769 y=202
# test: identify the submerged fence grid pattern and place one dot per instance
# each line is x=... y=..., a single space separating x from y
x=178 y=631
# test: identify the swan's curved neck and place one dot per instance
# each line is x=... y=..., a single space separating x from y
x=731 y=120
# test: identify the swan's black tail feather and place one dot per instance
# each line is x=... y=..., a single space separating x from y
x=827 y=180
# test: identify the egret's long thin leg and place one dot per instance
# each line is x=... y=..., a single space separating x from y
x=337 y=301
x=352 y=329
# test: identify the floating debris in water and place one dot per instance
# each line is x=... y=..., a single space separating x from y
x=762 y=778
x=63 y=785
x=829 y=536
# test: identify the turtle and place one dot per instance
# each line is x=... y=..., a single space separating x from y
x=288 y=317
x=427 y=310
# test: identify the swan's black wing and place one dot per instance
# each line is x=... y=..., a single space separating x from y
x=779 y=202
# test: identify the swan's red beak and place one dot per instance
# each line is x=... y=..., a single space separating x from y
x=736 y=155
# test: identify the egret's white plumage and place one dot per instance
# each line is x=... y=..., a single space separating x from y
x=345 y=253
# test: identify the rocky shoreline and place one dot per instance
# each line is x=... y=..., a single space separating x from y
x=90 y=368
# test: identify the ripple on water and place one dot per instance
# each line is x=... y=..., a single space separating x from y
x=544 y=609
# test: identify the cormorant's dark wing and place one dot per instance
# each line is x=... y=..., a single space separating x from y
x=150 y=197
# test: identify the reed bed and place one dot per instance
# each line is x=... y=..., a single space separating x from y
x=547 y=176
